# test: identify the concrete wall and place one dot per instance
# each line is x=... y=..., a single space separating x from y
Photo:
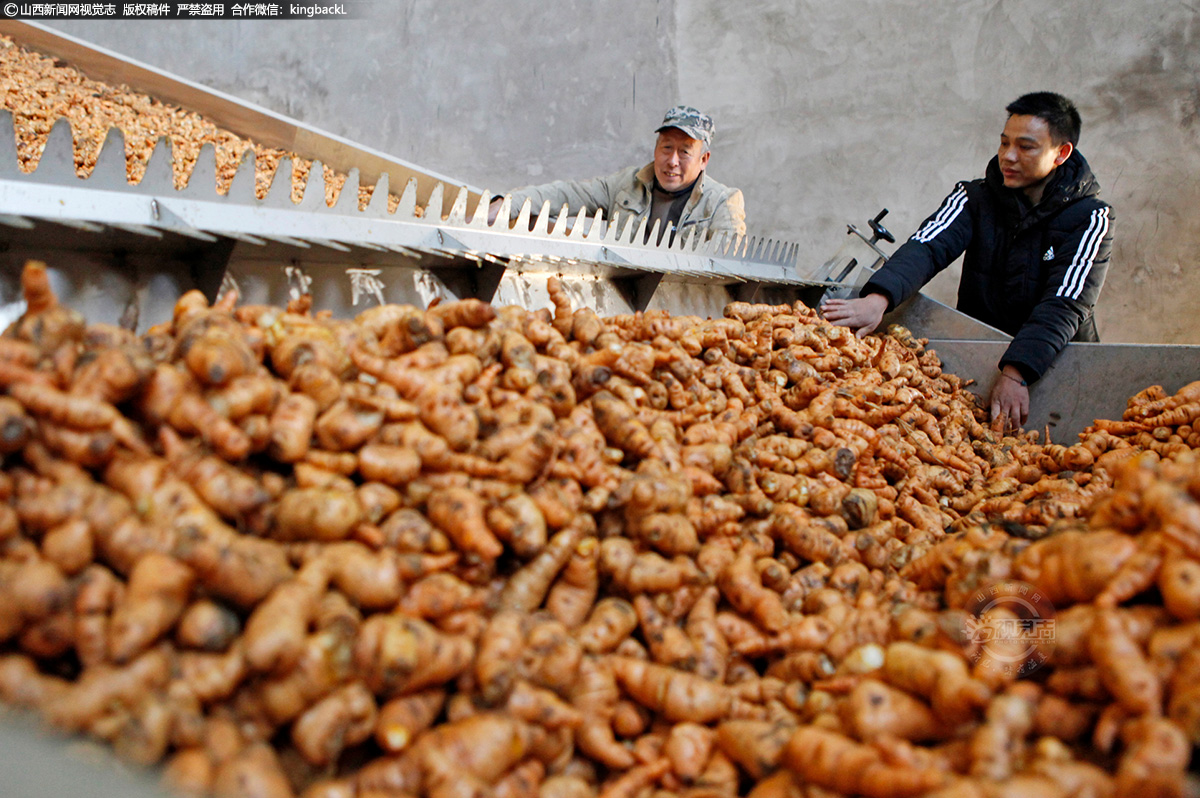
x=825 y=112
x=492 y=92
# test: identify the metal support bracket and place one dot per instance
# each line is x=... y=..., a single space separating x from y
x=638 y=289
x=479 y=279
x=208 y=266
x=748 y=291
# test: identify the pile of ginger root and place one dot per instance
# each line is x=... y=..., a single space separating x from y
x=478 y=551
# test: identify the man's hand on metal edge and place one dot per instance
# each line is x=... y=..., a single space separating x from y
x=1009 y=401
x=862 y=315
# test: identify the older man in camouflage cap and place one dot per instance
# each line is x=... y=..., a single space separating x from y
x=674 y=190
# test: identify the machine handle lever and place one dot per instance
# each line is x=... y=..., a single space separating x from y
x=879 y=230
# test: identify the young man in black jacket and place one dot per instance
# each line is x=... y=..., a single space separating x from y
x=1037 y=241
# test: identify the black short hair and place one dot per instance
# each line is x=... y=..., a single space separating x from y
x=1059 y=114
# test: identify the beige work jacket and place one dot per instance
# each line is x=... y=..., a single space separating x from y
x=712 y=206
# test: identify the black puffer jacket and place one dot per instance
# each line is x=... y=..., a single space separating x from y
x=1034 y=272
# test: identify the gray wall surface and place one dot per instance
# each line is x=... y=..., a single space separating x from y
x=494 y=92
x=825 y=112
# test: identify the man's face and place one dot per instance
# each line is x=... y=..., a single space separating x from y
x=678 y=159
x=1027 y=153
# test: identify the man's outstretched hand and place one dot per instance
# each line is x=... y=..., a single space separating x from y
x=1009 y=401
x=862 y=315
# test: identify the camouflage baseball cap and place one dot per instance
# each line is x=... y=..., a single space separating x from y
x=695 y=124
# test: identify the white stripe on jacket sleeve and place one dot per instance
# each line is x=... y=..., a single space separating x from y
x=1085 y=255
x=951 y=208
